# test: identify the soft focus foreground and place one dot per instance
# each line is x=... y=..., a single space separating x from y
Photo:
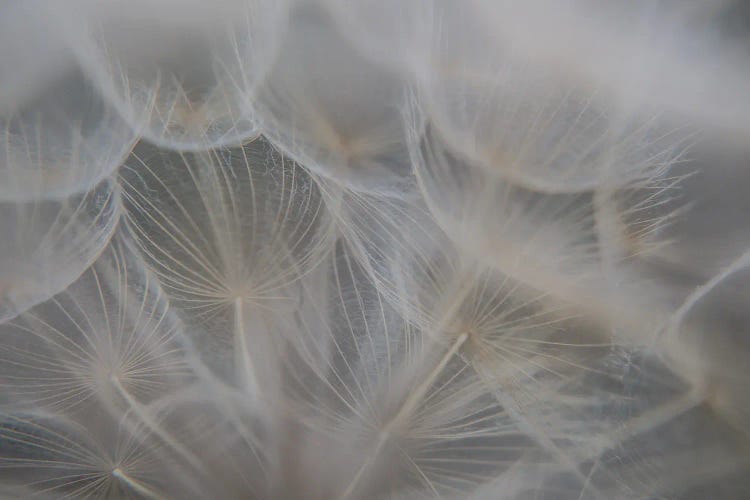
x=330 y=249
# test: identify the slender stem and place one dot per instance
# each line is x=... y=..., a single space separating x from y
x=405 y=411
x=382 y=439
x=244 y=368
x=673 y=328
x=136 y=485
x=152 y=425
x=410 y=404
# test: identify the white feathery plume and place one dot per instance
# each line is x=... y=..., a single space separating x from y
x=373 y=250
x=181 y=73
x=108 y=339
x=711 y=232
x=519 y=342
x=535 y=129
x=59 y=135
x=570 y=244
x=224 y=439
x=671 y=55
x=556 y=382
x=47 y=244
x=413 y=280
x=388 y=401
x=676 y=55
x=108 y=343
x=334 y=111
x=229 y=232
x=92 y=456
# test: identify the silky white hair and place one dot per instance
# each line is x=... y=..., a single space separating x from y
x=329 y=249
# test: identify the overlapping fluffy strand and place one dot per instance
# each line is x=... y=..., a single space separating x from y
x=330 y=249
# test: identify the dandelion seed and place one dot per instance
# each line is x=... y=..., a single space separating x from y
x=332 y=110
x=373 y=249
x=183 y=84
x=46 y=245
x=229 y=232
x=62 y=140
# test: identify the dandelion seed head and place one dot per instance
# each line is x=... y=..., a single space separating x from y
x=363 y=249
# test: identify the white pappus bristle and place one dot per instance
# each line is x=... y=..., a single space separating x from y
x=374 y=249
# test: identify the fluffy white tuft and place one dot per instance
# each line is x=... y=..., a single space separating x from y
x=333 y=249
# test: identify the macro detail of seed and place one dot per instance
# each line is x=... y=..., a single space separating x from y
x=374 y=249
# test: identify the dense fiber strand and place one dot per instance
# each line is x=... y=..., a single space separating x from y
x=374 y=249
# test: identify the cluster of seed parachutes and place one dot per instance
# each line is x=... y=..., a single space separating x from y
x=371 y=249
